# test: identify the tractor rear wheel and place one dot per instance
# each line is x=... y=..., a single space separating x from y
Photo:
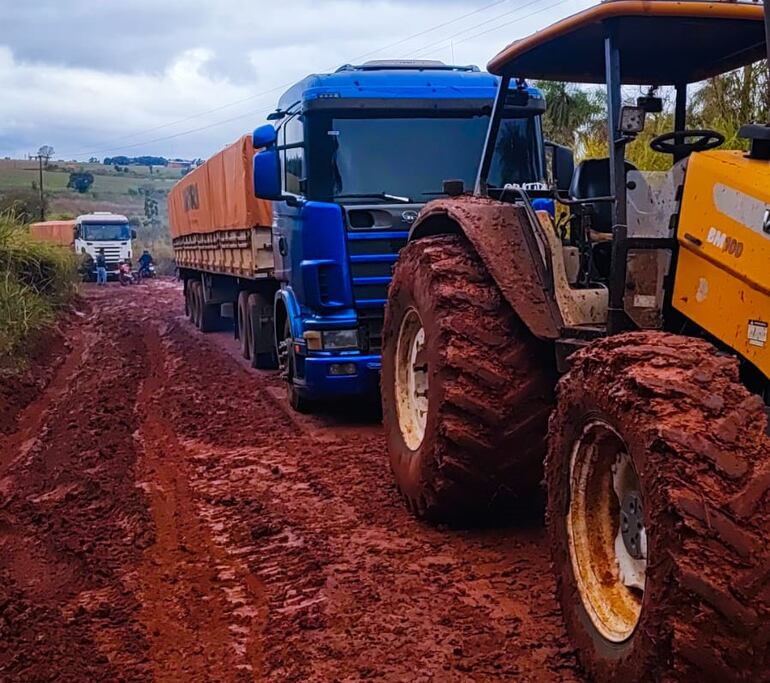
x=658 y=473
x=466 y=389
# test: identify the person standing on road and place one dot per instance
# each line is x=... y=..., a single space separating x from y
x=87 y=265
x=101 y=268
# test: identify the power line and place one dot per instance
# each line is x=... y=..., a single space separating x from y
x=276 y=88
x=433 y=28
x=449 y=39
x=531 y=14
x=444 y=43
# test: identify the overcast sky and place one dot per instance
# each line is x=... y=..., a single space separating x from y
x=107 y=77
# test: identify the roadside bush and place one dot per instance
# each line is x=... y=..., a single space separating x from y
x=36 y=279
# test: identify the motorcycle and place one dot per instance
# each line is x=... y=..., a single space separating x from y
x=126 y=276
x=145 y=272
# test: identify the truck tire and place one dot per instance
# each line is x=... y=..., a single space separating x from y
x=243 y=325
x=466 y=389
x=286 y=362
x=210 y=318
x=258 y=307
x=658 y=474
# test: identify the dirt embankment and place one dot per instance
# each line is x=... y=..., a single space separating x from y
x=163 y=517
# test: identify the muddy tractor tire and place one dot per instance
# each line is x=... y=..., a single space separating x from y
x=658 y=478
x=466 y=389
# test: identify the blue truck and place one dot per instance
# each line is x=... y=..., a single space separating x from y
x=347 y=162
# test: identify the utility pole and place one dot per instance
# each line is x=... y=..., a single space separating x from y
x=40 y=158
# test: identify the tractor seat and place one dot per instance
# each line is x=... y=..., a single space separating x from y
x=592 y=179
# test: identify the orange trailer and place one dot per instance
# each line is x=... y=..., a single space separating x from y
x=58 y=232
x=217 y=224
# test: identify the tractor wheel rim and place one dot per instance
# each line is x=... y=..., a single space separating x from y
x=412 y=380
x=606 y=533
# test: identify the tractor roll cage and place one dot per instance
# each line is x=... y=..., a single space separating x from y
x=632 y=42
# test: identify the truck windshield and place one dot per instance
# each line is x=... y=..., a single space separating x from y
x=411 y=157
x=105 y=231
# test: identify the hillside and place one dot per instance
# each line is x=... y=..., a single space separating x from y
x=131 y=190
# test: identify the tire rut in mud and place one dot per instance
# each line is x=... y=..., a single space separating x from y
x=71 y=521
x=325 y=575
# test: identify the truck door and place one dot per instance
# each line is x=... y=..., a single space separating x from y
x=287 y=228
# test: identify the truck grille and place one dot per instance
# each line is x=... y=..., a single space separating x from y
x=372 y=256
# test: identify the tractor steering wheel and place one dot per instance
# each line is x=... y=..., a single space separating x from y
x=676 y=142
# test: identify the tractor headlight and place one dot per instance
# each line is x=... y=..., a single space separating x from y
x=340 y=339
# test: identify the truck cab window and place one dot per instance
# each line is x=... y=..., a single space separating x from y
x=293 y=155
x=518 y=157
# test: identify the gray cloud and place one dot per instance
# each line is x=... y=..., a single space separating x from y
x=90 y=75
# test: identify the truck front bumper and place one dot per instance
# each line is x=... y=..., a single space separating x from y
x=318 y=381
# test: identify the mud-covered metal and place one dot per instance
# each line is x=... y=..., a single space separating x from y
x=502 y=236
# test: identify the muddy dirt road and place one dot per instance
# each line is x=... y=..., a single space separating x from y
x=163 y=517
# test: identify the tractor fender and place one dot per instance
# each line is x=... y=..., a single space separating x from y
x=503 y=237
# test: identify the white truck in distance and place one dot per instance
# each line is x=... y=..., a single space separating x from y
x=108 y=231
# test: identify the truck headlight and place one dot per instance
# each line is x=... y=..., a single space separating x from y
x=340 y=339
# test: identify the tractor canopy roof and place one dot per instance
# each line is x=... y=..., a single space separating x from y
x=661 y=42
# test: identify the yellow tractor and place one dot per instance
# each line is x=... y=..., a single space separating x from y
x=621 y=352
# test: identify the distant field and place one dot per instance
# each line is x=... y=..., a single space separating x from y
x=15 y=176
x=112 y=190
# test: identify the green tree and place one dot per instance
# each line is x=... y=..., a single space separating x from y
x=572 y=113
x=728 y=101
x=81 y=181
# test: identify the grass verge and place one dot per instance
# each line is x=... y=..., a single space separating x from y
x=36 y=280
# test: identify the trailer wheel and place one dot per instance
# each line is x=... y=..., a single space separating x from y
x=260 y=307
x=466 y=389
x=658 y=512
x=210 y=318
x=244 y=328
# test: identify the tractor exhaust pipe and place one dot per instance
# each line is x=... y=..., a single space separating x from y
x=766 y=5
x=758 y=134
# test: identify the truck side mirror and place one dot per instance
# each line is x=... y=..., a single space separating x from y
x=267 y=175
x=264 y=136
x=562 y=165
x=133 y=234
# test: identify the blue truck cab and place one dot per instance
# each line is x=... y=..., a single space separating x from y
x=348 y=162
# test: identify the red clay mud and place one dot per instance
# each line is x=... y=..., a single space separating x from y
x=164 y=517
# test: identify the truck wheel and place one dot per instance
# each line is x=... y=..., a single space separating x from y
x=658 y=512
x=286 y=364
x=258 y=307
x=243 y=325
x=466 y=389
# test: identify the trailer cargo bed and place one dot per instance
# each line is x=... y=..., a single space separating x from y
x=246 y=253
